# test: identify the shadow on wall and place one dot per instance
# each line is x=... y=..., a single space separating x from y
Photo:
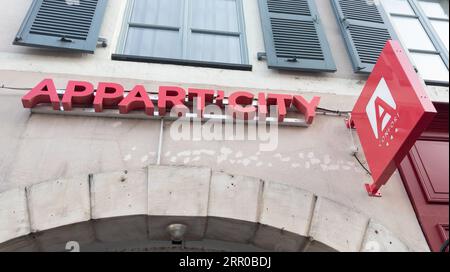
x=150 y=234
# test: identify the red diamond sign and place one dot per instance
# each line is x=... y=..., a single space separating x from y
x=391 y=113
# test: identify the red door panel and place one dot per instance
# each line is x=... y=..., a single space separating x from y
x=425 y=173
x=432 y=171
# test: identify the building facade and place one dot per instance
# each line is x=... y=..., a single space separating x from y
x=116 y=182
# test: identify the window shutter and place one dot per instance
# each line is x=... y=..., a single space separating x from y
x=294 y=37
x=62 y=24
x=365 y=31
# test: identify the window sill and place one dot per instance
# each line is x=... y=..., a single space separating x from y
x=219 y=65
x=436 y=83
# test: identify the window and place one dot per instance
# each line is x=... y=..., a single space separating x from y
x=191 y=32
x=437 y=13
x=423 y=28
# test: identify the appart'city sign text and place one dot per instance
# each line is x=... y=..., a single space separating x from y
x=239 y=105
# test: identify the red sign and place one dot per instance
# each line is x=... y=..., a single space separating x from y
x=109 y=95
x=391 y=113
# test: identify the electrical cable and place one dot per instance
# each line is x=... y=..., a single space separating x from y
x=338 y=112
x=362 y=165
x=14 y=88
x=355 y=149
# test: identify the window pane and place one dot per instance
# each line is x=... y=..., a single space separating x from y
x=398 y=6
x=435 y=8
x=412 y=33
x=153 y=43
x=431 y=67
x=441 y=28
x=157 y=12
x=215 y=15
x=215 y=48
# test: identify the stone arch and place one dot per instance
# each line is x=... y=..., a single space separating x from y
x=130 y=210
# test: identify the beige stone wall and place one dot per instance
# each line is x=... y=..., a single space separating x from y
x=130 y=206
x=39 y=147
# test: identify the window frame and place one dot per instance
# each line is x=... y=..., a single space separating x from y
x=424 y=20
x=186 y=31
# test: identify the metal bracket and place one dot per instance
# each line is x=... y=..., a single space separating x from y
x=103 y=41
x=261 y=56
x=372 y=190
x=65 y=39
x=349 y=123
x=360 y=68
x=316 y=19
x=345 y=23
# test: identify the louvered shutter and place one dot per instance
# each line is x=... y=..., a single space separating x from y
x=64 y=24
x=294 y=37
x=365 y=31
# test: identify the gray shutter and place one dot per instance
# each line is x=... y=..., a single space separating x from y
x=365 y=31
x=294 y=37
x=62 y=24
